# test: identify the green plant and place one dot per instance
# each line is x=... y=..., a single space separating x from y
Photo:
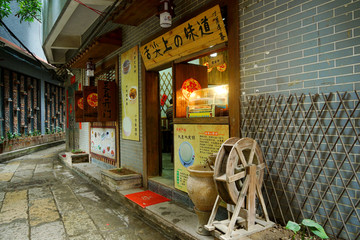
x=36 y=133
x=47 y=131
x=17 y=135
x=313 y=226
x=28 y=10
x=59 y=129
x=10 y=135
x=77 y=151
x=2 y=139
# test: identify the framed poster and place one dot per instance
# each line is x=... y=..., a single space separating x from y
x=193 y=143
x=103 y=143
x=130 y=94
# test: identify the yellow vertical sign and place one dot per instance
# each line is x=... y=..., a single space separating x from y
x=130 y=94
x=193 y=143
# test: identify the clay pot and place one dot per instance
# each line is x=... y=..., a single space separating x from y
x=202 y=192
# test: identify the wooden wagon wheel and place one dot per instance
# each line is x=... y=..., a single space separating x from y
x=233 y=158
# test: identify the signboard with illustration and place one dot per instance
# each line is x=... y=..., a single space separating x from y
x=201 y=32
x=193 y=143
x=103 y=143
x=130 y=95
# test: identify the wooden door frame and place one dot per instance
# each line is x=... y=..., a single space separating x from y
x=148 y=79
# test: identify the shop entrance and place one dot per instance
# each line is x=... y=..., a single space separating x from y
x=223 y=70
x=166 y=125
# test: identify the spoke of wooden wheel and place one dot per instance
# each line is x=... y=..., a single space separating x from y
x=242 y=157
x=251 y=157
x=236 y=177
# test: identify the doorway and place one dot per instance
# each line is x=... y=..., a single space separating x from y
x=166 y=126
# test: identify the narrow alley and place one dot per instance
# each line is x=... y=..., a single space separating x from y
x=40 y=198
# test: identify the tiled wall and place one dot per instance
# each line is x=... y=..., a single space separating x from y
x=299 y=46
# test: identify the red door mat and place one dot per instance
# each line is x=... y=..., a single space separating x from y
x=146 y=198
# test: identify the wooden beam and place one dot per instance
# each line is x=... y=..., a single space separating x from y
x=234 y=67
x=137 y=12
x=152 y=116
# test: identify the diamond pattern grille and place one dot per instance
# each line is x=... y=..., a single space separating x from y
x=165 y=88
x=311 y=144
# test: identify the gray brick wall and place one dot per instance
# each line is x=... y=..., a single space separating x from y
x=299 y=46
x=306 y=46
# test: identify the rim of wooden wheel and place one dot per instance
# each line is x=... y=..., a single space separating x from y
x=233 y=157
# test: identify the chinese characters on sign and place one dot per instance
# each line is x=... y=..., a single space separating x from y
x=192 y=145
x=130 y=95
x=203 y=31
x=216 y=61
x=107 y=101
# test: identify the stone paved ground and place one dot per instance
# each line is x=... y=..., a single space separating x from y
x=42 y=199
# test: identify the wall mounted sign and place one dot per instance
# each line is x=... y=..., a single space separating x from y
x=216 y=61
x=107 y=108
x=192 y=145
x=90 y=104
x=201 y=32
x=79 y=106
x=103 y=143
x=130 y=94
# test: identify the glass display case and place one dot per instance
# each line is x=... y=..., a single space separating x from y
x=209 y=102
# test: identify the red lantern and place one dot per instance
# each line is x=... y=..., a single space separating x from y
x=189 y=86
x=222 y=67
x=207 y=65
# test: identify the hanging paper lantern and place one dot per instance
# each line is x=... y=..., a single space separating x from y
x=207 y=65
x=92 y=100
x=189 y=86
x=80 y=103
x=222 y=67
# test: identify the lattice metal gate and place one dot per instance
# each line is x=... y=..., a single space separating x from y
x=311 y=144
x=165 y=88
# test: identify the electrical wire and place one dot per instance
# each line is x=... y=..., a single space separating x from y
x=92 y=9
x=98 y=27
x=17 y=39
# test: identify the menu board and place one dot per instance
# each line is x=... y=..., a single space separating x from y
x=193 y=143
x=103 y=142
x=130 y=94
